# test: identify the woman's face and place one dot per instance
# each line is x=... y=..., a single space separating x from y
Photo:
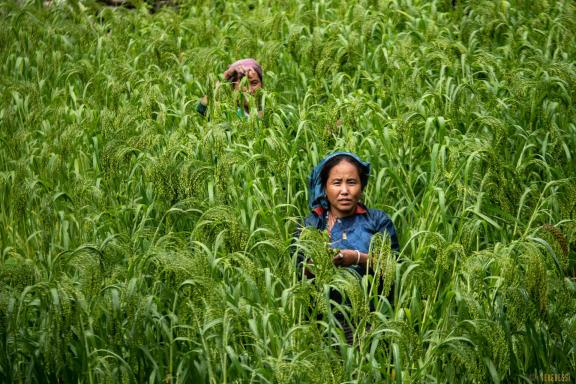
x=254 y=82
x=343 y=188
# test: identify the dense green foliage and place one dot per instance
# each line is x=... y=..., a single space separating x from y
x=142 y=242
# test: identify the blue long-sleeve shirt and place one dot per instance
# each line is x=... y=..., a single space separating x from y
x=355 y=231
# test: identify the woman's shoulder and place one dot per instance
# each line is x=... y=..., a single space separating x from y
x=378 y=217
x=312 y=220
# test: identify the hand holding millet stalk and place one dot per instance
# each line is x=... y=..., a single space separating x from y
x=236 y=71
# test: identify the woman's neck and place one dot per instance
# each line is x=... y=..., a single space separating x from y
x=339 y=214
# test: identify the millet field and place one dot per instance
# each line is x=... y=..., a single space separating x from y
x=144 y=243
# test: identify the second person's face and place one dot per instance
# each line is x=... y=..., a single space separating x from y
x=254 y=82
x=343 y=188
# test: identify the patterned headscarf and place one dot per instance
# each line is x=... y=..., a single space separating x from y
x=316 y=191
x=249 y=63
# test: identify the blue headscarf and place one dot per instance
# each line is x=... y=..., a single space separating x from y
x=317 y=194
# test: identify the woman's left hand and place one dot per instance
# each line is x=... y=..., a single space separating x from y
x=347 y=257
x=236 y=72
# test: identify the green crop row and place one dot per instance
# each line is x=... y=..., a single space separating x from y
x=141 y=242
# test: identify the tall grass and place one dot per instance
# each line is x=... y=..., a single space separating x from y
x=142 y=242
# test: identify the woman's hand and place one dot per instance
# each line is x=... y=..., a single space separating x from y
x=307 y=271
x=347 y=257
x=236 y=72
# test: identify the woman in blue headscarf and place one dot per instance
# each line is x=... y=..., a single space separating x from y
x=335 y=186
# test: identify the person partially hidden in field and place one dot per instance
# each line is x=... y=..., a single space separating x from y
x=245 y=68
x=335 y=190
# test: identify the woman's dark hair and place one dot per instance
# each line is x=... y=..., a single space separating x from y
x=337 y=160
